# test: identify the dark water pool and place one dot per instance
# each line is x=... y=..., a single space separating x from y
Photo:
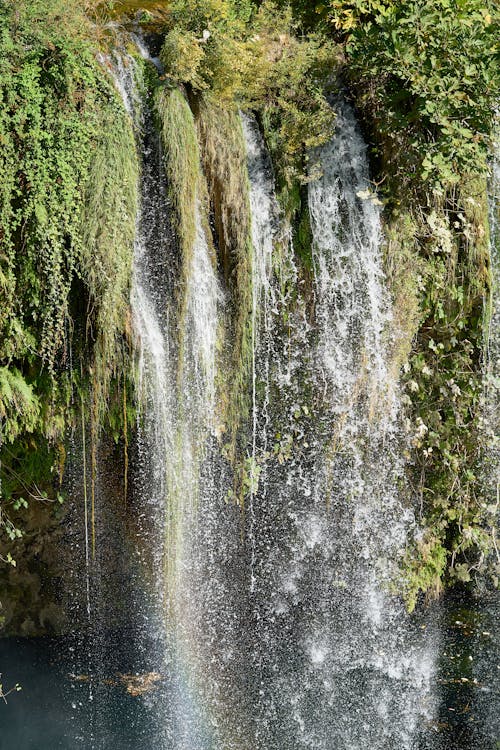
x=59 y=706
x=104 y=693
x=79 y=694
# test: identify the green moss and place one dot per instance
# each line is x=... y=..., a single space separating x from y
x=224 y=158
x=437 y=267
x=67 y=221
x=182 y=162
x=405 y=274
x=304 y=240
x=187 y=189
x=108 y=223
x=426 y=568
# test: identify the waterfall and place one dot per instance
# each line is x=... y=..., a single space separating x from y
x=276 y=629
x=351 y=300
x=176 y=327
x=216 y=472
x=372 y=654
x=217 y=633
x=337 y=660
x=353 y=315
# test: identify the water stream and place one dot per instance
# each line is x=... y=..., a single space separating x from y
x=340 y=664
x=176 y=328
x=286 y=637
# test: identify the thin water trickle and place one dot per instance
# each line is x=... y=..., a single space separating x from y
x=204 y=300
x=264 y=213
x=486 y=610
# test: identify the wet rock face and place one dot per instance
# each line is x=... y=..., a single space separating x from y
x=32 y=596
x=46 y=592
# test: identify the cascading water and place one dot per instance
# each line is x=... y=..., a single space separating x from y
x=299 y=641
x=337 y=660
x=219 y=559
x=176 y=329
x=350 y=295
x=264 y=212
x=153 y=284
x=371 y=650
x=285 y=635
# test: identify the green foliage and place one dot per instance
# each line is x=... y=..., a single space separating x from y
x=224 y=160
x=187 y=189
x=58 y=129
x=19 y=406
x=182 y=163
x=439 y=313
x=425 y=570
x=31 y=471
x=429 y=72
x=67 y=222
x=252 y=57
x=182 y=55
x=107 y=233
